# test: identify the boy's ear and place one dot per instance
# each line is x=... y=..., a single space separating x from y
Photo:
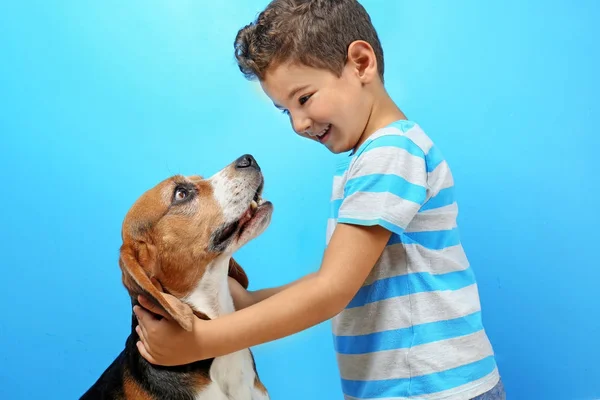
x=362 y=59
x=238 y=273
x=137 y=282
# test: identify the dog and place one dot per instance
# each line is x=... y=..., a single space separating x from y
x=178 y=239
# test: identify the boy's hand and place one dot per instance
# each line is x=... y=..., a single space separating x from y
x=164 y=341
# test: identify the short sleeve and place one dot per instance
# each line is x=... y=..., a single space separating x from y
x=386 y=184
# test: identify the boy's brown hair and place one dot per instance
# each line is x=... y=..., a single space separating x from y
x=315 y=33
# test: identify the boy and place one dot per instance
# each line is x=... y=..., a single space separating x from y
x=394 y=279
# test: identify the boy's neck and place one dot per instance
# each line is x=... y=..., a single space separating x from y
x=383 y=113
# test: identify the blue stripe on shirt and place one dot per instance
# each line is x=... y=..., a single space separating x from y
x=396 y=141
x=381 y=183
x=396 y=229
x=433 y=158
x=404 y=125
x=341 y=167
x=418 y=282
x=334 y=207
x=445 y=197
x=405 y=338
x=433 y=240
x=420 y=385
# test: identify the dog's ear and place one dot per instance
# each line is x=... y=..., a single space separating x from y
x=238 y=273
x=132 y=257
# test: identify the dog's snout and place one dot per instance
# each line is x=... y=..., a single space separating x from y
x=246 y=161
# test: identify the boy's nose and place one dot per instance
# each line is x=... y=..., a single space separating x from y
x=301 y=125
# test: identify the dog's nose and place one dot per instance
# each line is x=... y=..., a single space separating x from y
x=246 y=161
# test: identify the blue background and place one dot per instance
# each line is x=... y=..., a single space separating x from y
x=101 y=100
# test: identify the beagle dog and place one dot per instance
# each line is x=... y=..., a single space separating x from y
x=178 y=241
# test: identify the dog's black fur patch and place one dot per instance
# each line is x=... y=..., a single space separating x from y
x=173 y=383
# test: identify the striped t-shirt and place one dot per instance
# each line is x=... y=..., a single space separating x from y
x=414 y=329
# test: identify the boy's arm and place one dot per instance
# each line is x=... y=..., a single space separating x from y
x=243 y=298
x=348 y=259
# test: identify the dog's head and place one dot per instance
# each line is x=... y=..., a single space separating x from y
x=175 y=230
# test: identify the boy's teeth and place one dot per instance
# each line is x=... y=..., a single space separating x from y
x=324 y=130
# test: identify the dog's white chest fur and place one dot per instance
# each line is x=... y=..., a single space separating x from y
x=232 y=376
x=232 y=379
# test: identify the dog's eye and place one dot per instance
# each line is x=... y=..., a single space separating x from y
x=181 y=194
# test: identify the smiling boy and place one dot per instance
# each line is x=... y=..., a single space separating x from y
x=394 y=279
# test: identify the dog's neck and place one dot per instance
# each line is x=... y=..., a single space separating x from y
x=211 y=296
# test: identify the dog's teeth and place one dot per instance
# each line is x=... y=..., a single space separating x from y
x=253 y=205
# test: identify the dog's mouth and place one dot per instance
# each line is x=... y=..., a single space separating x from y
x=255 y=205
x=238 y=227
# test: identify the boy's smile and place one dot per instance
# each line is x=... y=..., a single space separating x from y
x=321 y=136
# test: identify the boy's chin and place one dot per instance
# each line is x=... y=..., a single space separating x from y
x=332 y=146
x=338 y=149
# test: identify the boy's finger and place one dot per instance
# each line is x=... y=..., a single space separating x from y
x=142 y=334
x=144 y=319
x=144 y=353
x=141 y=313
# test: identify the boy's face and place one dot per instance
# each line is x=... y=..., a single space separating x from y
x=331 y=110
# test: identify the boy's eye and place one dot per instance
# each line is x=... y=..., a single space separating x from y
x=303 y=99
